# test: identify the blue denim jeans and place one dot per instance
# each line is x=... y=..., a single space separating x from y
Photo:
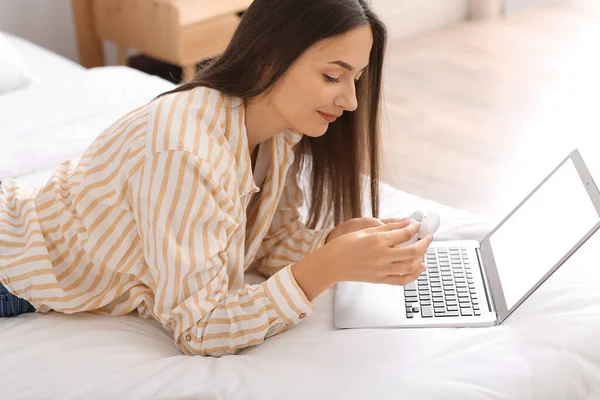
x=11 y=305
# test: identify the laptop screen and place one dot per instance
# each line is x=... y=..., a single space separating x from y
x=542 y=231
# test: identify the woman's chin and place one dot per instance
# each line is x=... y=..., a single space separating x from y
x=316 y=130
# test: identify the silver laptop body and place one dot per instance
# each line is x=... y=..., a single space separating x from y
x=472 y=284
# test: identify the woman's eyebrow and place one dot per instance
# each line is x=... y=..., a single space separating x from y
x=344 y=65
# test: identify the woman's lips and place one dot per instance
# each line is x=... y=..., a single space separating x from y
x=328 y=117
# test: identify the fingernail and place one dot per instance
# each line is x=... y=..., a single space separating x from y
x=430 y=237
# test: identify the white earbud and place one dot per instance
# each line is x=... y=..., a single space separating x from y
x=430 y=223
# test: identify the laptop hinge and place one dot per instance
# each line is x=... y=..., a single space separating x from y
x=486 y=285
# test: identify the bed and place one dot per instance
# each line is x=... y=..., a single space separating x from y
x=548 y=349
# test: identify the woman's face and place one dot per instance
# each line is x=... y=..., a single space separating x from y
x=320 y=85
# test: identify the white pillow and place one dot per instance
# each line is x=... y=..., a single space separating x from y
x=13 y=71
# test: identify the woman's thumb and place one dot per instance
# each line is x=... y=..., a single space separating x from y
x=392 y=226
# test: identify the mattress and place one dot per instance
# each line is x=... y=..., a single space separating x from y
x=53 y=121
x=548 y=348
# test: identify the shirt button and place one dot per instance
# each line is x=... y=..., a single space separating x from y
x=188 y=338
x=301 y=316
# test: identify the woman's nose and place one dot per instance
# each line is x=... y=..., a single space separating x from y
x=348 y=100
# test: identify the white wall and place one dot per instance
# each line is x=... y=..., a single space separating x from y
x=511 y=6
x=409 y=17
x=49 y=23
x=46 y=22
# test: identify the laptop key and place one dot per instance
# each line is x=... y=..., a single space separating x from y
x=415 y=309
x=477 y=312
x=466 y=311
x=427 y=311
x=411 y=286
x=409 y=316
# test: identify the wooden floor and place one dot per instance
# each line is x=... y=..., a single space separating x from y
x=478 y=113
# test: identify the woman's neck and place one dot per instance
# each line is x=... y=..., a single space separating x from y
x=262 y=121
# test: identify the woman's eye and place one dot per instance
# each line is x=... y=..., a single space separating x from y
x=330 y=79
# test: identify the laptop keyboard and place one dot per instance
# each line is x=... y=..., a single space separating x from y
x=446 y=288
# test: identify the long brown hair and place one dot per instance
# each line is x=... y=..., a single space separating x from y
x=270 y=37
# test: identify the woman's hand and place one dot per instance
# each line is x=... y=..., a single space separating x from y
x=357 y=224
x=365 y=255
x=371 y=255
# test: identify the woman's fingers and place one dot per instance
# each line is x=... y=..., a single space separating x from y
x=415 y=250
x=403 y=279
x=405 y=267
x=393 y=220
x=389 y=227
x=397 y=236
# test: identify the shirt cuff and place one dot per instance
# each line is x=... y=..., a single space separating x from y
x=286 y=297
x=319 y=239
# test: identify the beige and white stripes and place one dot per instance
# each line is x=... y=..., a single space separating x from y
x=153 y=218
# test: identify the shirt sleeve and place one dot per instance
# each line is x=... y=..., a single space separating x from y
x=288 y=239
x=185 y=222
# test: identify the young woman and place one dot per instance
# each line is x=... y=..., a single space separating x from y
x=174 y=202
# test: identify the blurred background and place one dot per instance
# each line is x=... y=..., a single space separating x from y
x=482 y=97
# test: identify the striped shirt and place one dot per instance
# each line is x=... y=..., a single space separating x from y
x=154 y=218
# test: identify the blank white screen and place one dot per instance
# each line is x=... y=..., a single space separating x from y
x=542 y=231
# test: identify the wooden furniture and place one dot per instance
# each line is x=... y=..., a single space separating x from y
x=181 y=32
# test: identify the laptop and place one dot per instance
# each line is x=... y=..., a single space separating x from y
x=471 y=283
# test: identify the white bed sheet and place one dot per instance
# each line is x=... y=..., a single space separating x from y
x=53 y=121
x=43 y=64
x=548 y=349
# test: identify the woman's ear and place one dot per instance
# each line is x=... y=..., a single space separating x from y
x=269 y=68
x=266 y=73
